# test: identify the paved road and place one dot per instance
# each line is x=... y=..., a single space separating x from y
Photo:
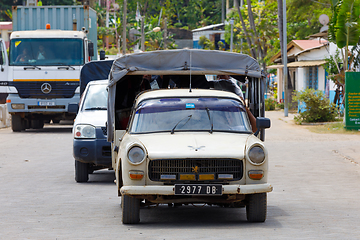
x=316 y=181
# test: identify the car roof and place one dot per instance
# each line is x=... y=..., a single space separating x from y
x=97 y=82
x=168 y=93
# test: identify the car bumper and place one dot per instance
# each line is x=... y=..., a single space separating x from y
x=38 y=105
x=97 y=151
x=170 y=190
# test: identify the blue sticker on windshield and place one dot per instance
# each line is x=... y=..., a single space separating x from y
x=190 y=105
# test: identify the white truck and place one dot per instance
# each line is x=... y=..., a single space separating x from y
x=42 y=75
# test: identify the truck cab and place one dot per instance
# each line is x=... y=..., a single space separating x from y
x=43 y=74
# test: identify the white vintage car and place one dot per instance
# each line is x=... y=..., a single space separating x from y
x=187 y=145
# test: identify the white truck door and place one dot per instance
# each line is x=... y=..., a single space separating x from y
x=4 y=68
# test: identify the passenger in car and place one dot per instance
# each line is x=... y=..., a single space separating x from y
x=225 y=82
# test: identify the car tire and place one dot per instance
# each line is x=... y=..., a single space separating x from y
x=256 y=207
x=81 y=171
x=16 y=123
x=130 y=209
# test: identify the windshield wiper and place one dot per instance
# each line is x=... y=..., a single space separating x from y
x=96 y=108
x=66 y=66
x=188 y=117
x=32 y=67
x=210 y=119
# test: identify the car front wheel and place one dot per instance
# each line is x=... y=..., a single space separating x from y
x=81 y=171
x=130 y=209
x=256 y=207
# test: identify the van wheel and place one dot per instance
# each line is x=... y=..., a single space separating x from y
x=256 y=207
x=16 y=123
x=81 y=171
x=130 y=209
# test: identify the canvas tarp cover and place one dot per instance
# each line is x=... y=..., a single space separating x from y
x=180 y=61
x=94 y=70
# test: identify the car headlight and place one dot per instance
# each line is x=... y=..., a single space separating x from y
x=136 y=155
x=257 y=155
x=84 y=131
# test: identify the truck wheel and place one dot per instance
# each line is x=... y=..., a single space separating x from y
x=130 y=209
x=37 y=124
x=81 y=171
x=256 y=207
x=16 y=123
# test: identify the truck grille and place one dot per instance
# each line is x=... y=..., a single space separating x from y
x=46 y=107
x=59 y=89
x=184 y=166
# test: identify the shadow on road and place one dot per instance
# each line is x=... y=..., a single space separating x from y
x=102 y=176
x=51 y=128
x=190 y=216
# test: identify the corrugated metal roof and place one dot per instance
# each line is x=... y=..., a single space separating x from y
x=299 y=64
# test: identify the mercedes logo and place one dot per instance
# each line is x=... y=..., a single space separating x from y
x=46 y=88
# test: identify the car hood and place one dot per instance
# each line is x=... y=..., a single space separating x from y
x=194 y=145
x=96 y=118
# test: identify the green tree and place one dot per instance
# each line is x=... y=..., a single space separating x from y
x=255 y=29
x=345 y=25
x=303 y=17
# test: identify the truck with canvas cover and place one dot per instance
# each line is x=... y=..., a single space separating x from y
x=187 y=138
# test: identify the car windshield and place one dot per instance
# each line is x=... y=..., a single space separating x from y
x=96 y=98
x=190 y=114
x=46 y=52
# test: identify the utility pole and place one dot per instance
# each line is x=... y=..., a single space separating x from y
x=107 y=22
x=124 y=28
x=232 y=33
x=286 y=103
x=142 y=34
x=222 y=11
x=165 y=33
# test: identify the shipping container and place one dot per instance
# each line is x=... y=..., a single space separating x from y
x=59 y=17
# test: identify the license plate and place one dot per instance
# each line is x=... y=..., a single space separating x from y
x=46 y=103
x=198 y=189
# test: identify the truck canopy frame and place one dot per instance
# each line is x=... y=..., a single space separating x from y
x=187 y=62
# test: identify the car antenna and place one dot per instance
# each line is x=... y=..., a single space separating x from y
x=190 y=72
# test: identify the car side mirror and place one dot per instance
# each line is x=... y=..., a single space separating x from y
x=102 y=55
x=91 y=49
x=73 y=108
x=262 y=123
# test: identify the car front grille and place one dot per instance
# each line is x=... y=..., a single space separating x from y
x=104 y=130
x=176 y=167
x=106 y=151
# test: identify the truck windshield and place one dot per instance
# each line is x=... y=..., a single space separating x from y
x=190 y=114
x=46 y=52
x=96 y=98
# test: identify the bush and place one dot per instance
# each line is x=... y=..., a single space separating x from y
x=270 y=104
x=280 y=105
x=317 y=107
